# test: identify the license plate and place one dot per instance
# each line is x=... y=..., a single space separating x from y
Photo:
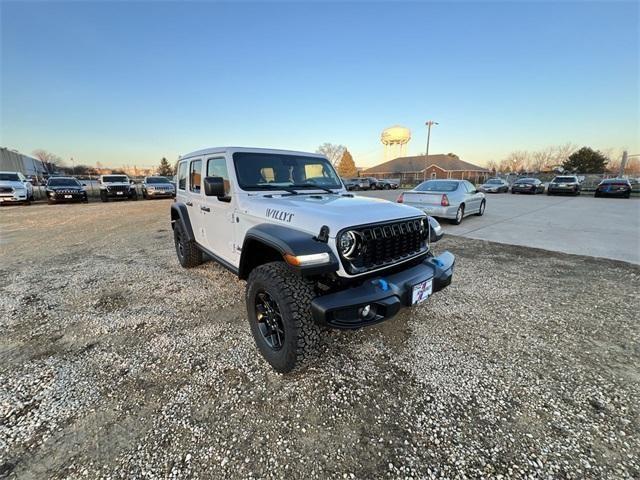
x=422 y=291
x=68 y=196
x=118 y=193
x=563 y=185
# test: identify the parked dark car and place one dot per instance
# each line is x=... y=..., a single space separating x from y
x=349 y=184
x=614 y=187
x=65 y=189
x=527 y=185
x=386 y=184
x=564 y=184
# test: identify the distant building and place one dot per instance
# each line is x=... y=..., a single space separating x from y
x=14 y=161
x=415 y=169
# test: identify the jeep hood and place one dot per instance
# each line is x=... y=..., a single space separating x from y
x=310 y=212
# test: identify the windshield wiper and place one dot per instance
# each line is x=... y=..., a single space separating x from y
x=312 y=185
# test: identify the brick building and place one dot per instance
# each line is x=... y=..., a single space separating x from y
x=411 y=170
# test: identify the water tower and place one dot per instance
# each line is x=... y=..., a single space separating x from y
x=395 y=141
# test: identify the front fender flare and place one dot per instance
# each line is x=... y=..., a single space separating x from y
x=179 y=213
x=287 y=241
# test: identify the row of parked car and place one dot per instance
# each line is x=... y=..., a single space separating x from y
x=15 y=188
x=369 y=183
x=565 y=184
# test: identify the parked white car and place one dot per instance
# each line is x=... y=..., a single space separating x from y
x=116 y=186
x=15 y=188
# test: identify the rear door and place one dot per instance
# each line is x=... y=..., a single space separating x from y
x=194 y=199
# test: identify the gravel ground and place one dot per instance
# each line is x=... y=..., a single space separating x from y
x=117 y=363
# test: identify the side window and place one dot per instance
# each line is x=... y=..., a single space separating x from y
x=470 y=188
x=217 y=167
x=182 y=176
x=195 y=176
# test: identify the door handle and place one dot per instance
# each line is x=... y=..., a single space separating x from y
x=189 y=204
x=205 y=209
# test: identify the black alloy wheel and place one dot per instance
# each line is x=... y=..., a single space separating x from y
x=269 y=320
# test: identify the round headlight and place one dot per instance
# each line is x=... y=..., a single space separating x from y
x=347 y=243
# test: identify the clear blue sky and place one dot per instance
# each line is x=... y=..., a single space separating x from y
x=128 y=83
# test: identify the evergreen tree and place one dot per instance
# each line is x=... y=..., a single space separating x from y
x=165 y=169
x=586 y=160
x=347 y=167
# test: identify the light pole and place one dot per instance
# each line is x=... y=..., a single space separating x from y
x=428 y=123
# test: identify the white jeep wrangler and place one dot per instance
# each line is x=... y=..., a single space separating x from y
x=313 y=255
x=116 y=186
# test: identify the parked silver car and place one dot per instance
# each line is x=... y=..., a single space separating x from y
x=452 y=199
x=157 y=186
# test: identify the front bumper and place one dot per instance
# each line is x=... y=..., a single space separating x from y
x=120 y=193
x=385 y=295
x=567 y=189
x=15 y=197
x=79 y=196
x=161 y=193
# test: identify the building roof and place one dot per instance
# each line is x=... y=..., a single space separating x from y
x=448 y=162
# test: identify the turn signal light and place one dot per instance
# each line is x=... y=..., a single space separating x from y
x=445 y=200
x=400 y=198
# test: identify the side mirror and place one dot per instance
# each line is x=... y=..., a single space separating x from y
x=84 y=184
x=214 y=187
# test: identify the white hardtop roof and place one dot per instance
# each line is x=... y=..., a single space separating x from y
x=212 y=150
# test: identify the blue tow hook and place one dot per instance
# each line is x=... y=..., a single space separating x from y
x=382 y=283
x=438 y=262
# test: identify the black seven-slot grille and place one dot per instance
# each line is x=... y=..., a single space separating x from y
x=118 y=188
x=384 y=244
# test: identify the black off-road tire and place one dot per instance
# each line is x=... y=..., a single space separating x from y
x=188 y=253
x=293 y=295
x=103 y=196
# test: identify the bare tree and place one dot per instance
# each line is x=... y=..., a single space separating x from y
x=47 y=157
x=515 y=161
x=332 y=152
x=493 y=165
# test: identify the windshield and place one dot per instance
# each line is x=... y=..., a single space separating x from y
x=115 y=178
x=9 y=177
x=494 y=182
x=564 y=179
x=273 y=171
x=437 y=186
x=63 y=182
x=157 y=180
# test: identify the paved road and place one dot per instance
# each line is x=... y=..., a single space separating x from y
x=598 y=227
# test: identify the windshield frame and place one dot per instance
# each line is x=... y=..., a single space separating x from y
x=64 y=179
x=106 y=177
x=156 y=177
x=290 y=187
x=16 y=179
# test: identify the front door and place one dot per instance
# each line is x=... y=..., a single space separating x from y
x=218 y=214
x=472 y=197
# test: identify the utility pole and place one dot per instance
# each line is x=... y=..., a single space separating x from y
x=428 y=123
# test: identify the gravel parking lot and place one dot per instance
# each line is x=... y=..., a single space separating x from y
x=117 y=363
